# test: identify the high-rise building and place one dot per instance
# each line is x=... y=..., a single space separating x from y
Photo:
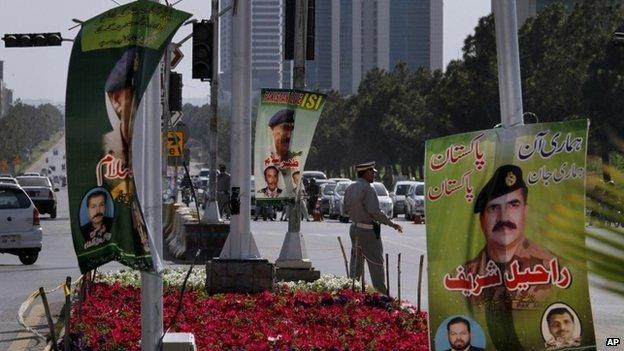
x=354 y=36
x=268 y=69
x=351 y=38
x=416 y=33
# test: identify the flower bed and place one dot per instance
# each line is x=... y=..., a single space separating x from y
x=325 y=315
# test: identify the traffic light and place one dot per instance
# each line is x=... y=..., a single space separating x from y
x=202 y=50
x=175 y=91
x=32 y=39
x=289 y=30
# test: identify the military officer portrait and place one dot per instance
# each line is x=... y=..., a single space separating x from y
x=121 y=106
x=282 y=125
x=362 y=206
x=502 y=207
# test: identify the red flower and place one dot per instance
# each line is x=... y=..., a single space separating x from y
x=110 y=320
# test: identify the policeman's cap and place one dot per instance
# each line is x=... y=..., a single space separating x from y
x=124 y=71
x=506 y=179
x=282 y=116
x=365 y=166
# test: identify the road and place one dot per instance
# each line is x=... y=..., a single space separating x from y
x=57 y=260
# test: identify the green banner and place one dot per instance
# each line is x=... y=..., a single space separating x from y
x=284 y=130
x=113 y=59
x=495 y=281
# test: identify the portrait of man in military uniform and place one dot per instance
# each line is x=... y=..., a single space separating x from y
x=121 y=106
x=282 y=125
x=502 y=207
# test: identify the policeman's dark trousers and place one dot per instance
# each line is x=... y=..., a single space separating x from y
x=371 y=250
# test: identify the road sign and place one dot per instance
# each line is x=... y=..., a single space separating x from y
x=176 y=57
x=175 y=142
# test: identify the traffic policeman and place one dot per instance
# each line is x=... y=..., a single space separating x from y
x=362 y=205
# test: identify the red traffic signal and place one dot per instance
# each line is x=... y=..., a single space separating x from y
x=32 y=39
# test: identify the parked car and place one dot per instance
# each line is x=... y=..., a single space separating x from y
x=41 y=192
x=335 y=205
x=32 y=174
x=386 y=203
x=20 y=230
x=415 y=198
x=327 y=194
x=398 y=195
x=338 y=180
x=9 y=180
x=320 y=182
x=313 y=174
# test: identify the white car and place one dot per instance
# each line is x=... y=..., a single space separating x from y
x=9 y=180
x=20 y=230
x=386 y=203
x=41 y=192
x=398 y=195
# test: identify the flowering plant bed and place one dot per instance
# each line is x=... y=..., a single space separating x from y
x=324 y=315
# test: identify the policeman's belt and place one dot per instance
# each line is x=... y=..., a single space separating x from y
x=364 y=225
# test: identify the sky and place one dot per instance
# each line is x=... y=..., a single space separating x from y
x=41 y=73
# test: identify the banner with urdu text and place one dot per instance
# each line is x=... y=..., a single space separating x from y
x=494 y=203
x=114 y=56
x=284 y=131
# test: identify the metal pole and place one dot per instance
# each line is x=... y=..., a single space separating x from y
x=508 y=57
x=240 y=243
x=150 y=198
x=212 y=214
x=294 y=253
x=301 y=19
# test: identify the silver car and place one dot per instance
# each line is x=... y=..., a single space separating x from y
x=335 y=204
x=386 y=203
x=415 y=198
x=398 y=195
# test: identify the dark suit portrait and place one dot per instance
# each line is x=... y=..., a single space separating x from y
x=98 y=224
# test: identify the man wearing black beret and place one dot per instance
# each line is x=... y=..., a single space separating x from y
x=502 y=208
x=121 y=106
x=282 y=125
